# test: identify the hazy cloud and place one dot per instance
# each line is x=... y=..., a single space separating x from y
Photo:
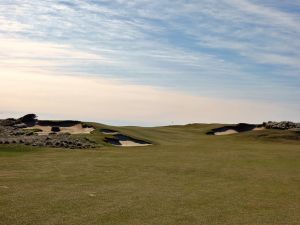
x=232 y=49
x=109 y=100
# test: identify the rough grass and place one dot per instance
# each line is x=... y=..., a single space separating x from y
x=185 y=178
x=34 y=130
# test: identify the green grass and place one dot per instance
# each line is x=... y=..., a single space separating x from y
x=185 y=178
x=34 y=130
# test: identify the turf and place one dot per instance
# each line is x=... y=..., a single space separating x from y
x=185 y=178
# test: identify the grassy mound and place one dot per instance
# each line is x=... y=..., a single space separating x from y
x=185 y=177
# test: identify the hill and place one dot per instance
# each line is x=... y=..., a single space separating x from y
x=181 y=176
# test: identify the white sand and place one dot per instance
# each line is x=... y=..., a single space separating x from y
x=259 y=128
x=131 y=144
x=230 y=131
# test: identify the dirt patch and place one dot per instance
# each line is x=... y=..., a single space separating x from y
x=4 y=187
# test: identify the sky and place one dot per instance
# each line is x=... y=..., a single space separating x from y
x=149 y=63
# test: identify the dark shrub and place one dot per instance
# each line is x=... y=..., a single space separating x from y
x=55 y=129
x=29 y=118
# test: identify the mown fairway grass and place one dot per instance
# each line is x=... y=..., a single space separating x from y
x=185 y=178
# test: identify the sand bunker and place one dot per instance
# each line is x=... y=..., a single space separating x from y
x=122 y=140
x=132 y=144
x=239 y=128
x=74 y=129
x=125 y=141
x=230 y=131
x=259 y=128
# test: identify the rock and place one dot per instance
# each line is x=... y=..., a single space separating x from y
x=16 y=135
x=8 y=122
x=78 y=144
x=20 y=125
x=29 y=133
x=283 y=125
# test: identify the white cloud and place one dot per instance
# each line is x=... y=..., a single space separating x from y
x=23 y=53
x=23 y=48
x=213 y=46
x=7 y=25
x=271 y=15
x=269 y=58
x=128 y=27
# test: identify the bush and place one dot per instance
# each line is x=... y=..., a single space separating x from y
x=55 y=129
x=29 y=118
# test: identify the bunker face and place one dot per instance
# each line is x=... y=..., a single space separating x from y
x=109 y=131
x=126 y=141
x=74 y=129
x=229 y=131
x=122 y=140
x=130 y=143
x=239 y=128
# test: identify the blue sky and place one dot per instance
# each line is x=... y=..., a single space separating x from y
x=244 y=50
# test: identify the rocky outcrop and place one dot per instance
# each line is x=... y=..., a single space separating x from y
x=22 y=122
x=283 y=125
x=12 y=132
x=11 y=135
x=48 y=141
x=8 y=122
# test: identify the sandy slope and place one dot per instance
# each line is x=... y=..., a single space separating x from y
x=76 y=129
